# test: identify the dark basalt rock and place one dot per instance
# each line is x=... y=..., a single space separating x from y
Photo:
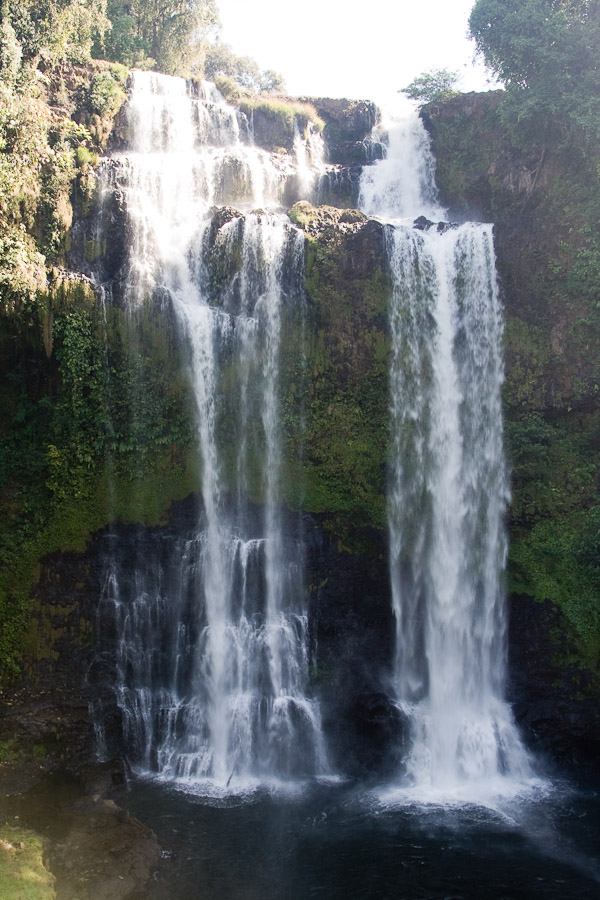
x=98 y=241
x=70 y=687
x=354 y=153
x=347 y=132
x=378 y=735
x=552 y=701
x=353 y=632
x=346 y=120
x=339 y=186
x=424 y=224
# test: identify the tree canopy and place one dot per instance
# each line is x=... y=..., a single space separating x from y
x=50 y=30
x=221 y=60
x=547 y=53
x=170 y=34
x=433 y=85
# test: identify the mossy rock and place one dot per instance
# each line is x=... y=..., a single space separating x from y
x=315 y=219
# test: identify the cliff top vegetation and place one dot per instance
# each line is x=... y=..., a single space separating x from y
x=547 y=54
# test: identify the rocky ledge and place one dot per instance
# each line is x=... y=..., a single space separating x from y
x=92 y=848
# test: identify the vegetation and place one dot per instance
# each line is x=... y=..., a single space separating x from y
x=549 y=259
x=98 y=430
x=23 y=875
x=41 y=146
x=342 y=469
x=547 y=53
x=45 y=32
x=243 y=71
x=438 y=84
x=168 y=34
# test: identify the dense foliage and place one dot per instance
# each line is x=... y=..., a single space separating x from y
x=38 y=144
x=48 y=31
x=170 y=34
x=547 y=53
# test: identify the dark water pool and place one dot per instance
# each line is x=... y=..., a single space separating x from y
x=339 y=843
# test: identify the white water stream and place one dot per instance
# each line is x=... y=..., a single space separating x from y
x=448 y=486
x=212 y=631
x=213 y=642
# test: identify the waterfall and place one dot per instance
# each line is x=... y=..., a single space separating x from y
x=448 y=485
x=212 y=629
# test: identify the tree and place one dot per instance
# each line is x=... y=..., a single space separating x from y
x=171 y=33
x=49 y=31
x=547 y=53
x=221 y=60
x=437 y=84
x=122 y=43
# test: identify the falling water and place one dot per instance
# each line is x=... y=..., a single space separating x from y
x=448 y=485
x=213 y=635
x=402 y=184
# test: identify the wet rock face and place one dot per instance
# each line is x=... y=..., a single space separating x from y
x=270 y=130
x=353 y=633
x=352 y=638
x=354 y=153
x=339 y=186
x=551 y=703
x=347 y=132
x=45 y=718
x=99 y=238
x=346 y=120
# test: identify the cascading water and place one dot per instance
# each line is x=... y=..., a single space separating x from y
x=212 y=652
x=448 y=485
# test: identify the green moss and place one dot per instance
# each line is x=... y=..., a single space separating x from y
x=339 y=390
x=23 y=875
x=548 y=220
x=555 y=549
x=94 y=249
x=529 y=353
x=98 y=429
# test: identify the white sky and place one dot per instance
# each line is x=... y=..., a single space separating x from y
x=360 y=49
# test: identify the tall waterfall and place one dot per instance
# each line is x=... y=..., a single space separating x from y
x=212 y=631
x=448 y=485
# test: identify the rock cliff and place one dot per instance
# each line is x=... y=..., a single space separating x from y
x=98 y=433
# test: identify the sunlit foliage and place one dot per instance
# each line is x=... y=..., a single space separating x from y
x=221 y=60
x=547 y=53
x=168 y=34
x=437 y=84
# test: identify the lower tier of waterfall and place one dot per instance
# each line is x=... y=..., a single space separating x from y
x=447 y=495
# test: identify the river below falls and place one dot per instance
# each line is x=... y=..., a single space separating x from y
x=336 y=842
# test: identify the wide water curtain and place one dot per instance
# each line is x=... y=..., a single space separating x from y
x=448 y=486
x=213 y=649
